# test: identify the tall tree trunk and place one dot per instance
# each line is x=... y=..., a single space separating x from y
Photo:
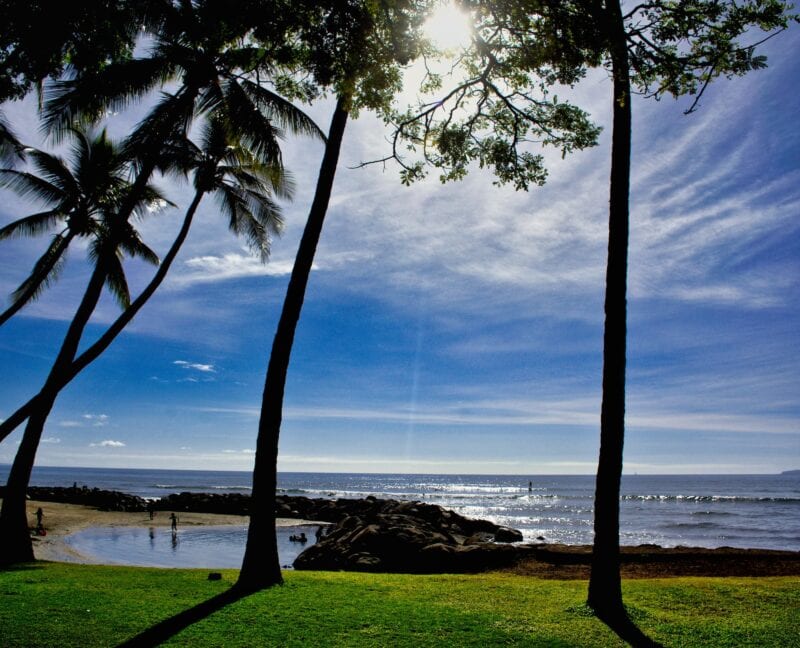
x=15 y=541
x=261 y=566
x=605 y=591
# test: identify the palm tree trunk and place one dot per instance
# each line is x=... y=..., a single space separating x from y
x=15 y=541
x=260 y=566
x=605 y=591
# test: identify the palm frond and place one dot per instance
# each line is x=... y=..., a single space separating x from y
x=54 y=170
x=210 y=99
x=116 y=283
x=283 y=112
x=267 y=212
x=150 y=200
x=11 y=149
x=250 y=126
x=32 y=225
x=241 y=221
x=131 y=243
x=45 y=271
x=93 y=95
x=28 y=185
x=168 y=121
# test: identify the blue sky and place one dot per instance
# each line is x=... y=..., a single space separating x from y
x=458 y=328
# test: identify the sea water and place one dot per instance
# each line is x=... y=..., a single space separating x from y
x=758 y=511
x=206 y=546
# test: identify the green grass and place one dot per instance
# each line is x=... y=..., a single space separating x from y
x=53 y=604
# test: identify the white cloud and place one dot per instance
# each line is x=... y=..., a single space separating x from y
x=244 y=451
x=51 y=440
x=108 y=443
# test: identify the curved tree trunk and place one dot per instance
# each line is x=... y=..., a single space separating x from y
x=15 y=542
x=260 y=565
x=605 y=592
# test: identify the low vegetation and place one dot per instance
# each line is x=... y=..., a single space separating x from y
x=54 y=604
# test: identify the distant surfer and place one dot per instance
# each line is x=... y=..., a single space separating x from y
x=530 y=486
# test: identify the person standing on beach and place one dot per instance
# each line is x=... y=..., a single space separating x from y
x=174 y=519
x=39 y=516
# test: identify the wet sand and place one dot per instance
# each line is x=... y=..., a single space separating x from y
x=60 y=520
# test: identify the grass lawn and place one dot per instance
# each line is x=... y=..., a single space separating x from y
x=54 y=604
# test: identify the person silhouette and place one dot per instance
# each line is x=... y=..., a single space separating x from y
x=174 y=519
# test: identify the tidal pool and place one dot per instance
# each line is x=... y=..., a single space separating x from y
x=206 y=546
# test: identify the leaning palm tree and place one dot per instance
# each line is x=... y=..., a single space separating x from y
x=244 y=186
x=218 y=77
x=76 y=194
x=110 y=240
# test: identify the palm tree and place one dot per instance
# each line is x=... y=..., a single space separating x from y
x=77 y=195
x=261 y=565
x=355 y=48
x=107 y=186
x=244 y=186
x=202 y=49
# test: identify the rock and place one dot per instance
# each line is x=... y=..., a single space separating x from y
x=507 y=534
x=409 y=537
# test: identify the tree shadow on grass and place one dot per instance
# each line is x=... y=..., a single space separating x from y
x=168 y=628
x=27 y=566
x=627 y=630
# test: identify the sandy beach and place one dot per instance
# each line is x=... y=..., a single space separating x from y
x=60 y=520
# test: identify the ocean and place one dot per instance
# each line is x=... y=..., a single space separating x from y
x=758 y=511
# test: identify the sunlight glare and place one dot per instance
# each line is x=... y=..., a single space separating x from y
x=449 y=28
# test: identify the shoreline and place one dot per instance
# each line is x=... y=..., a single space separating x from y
x=61 y=519
x=547 y=561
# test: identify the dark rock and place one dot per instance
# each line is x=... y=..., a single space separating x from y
x=409 y=537
x=506 y=534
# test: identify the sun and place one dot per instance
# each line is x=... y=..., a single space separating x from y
x=449 y=28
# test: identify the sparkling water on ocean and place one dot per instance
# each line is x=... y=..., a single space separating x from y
x=759 y=511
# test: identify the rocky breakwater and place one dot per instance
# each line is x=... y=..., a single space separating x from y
x=410 y=537
x=105 y=500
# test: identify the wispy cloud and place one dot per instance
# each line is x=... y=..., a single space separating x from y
x=197 y=366
x=96 y=420
x=51 y=440
x=246 y=451
x=87 y=420
x=211 y=268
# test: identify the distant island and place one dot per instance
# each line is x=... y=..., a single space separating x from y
x=791 y=472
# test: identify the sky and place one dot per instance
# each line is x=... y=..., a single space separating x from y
x=458 y=328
